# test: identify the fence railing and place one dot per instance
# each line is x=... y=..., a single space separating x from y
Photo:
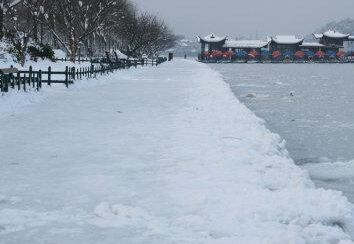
x=25 y=79
x=76 y=60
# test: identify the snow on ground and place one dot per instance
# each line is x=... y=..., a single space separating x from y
x=156 y=155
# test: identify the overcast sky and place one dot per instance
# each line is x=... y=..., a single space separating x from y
x=247 y=18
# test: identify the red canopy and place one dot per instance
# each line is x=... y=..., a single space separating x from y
x=341 y=54
x=216 y=54
x=253 y=54
x=228 y=54
x=206 y=54
x=300 y=54
x=320 y=54
x=276 y=54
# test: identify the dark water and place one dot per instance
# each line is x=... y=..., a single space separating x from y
x=311 y=106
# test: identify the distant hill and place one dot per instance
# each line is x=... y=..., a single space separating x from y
x=344 y=26
x=186 y=47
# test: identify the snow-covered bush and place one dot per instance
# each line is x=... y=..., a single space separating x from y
x=43 y=51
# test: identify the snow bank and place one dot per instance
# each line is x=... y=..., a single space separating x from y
x=158 y=155
x=58 y=53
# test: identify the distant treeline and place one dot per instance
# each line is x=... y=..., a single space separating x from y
x=88 y=27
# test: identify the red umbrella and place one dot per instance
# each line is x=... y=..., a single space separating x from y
x=216 y=54
x=320 y=54
x=276 y=54
x=228 y=54
x=341 y=54
x=206 y=54
x=253 y=54
x=300 y=54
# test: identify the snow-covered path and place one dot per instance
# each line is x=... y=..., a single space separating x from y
x=156 y=155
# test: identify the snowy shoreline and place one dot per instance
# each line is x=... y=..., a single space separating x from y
x=160 y=155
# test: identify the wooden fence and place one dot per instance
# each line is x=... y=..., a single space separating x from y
x=76 y=60
x=26 y=79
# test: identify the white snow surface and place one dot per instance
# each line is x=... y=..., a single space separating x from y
x=156 y=155
x=287 y=39
x=245 y=43
x=213 y=38
x=318 y=35
x=121 y=55
x=335 y=34
x=312 y=44
x=58 y=53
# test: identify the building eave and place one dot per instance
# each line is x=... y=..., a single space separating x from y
x=245 y=44
x=287 y=40
x=212 y=39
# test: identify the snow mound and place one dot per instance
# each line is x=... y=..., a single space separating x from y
x=58 y=53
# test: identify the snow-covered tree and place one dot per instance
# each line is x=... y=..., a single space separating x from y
x=5 y=6
x=91 y=25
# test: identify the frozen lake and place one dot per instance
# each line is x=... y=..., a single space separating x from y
x=311 y=106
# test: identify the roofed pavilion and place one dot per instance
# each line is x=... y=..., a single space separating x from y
x=333 y=38
x=285 y=43
x=212 y=43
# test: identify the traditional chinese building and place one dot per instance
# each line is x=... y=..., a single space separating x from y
x=245 y=45
x=284 y=43
x=330 y=44
x=312 y=47
x=334 y=40
x=215 y=44
x=212 y=43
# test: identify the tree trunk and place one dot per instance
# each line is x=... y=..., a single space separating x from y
x=22 y=57
x=1 y=22
x=73 y=49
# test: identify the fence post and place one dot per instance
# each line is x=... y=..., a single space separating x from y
x=2 y=83
x=12 y=79
x=40 y=78
x=37 y=81
x=7 y=78
x=18 y=81
x=24 y=82
x=30 y=76
x=49 y=75
x=67 y=76
x=73 y=73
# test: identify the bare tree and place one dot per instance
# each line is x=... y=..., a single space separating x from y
x=18 y=28
x=77 y=20
x=145 y=34
x=92 y=25
x=5 y=7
